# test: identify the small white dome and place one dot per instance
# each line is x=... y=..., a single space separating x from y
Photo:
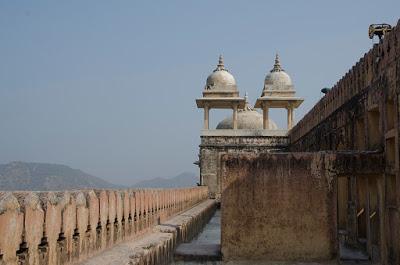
x=278 y=79
x=247 y=118
x=220 y=79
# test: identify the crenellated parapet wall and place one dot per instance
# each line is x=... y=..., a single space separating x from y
x=40 y=228
x=378 y=69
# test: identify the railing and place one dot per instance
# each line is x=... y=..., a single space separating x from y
x=65 y=227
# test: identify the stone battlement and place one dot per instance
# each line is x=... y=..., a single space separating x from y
x=375 y=65
x=67 y=227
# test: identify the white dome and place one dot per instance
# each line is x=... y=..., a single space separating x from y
x=220 y=79
x=278 y=79
x=247 y=118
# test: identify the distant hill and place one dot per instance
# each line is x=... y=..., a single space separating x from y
x=43 y=177
x=186 y=179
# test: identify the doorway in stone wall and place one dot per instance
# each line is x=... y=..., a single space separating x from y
x=351 y=218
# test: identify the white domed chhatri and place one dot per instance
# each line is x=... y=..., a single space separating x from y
x=247 y=118
x=221 y=79
x=220 y=83
x=278 y=92
x=220 y=92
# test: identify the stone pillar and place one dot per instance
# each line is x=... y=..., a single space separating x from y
x=206 y=117
x=265 y=117
x=235 y=108
x=289 y=117
x=292 y=117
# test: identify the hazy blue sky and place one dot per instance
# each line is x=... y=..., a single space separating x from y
x=110 y=86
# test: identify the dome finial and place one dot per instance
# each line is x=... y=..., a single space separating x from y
x=220 y=65
x=277 y=65
x=246 y=103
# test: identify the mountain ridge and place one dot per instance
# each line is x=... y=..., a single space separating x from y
x=18 y=175
x=185 y=179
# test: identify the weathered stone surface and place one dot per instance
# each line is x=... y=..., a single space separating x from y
x=11 y=226
x=80 y=241
x=49 y=228
x=361 y=114
x=103 y=220
x=33 y=226
x=212 y=147
x=53 y=222
x=65 y=240
x=277 y=208
x=157 y=246
x=93 y=233
x=201 y=252
x=205 y=247
x=369 y=85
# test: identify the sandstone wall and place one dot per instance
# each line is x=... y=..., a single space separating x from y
x=278 y=207
x=66 y=227
x=212 y=147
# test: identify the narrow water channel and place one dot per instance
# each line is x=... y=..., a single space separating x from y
x=205 y=248
x=211 y=233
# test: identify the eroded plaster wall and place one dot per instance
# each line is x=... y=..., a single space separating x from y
x=278 y=207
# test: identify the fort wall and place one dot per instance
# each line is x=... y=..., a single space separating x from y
x=371 y=83
x=278 y=207
x=40 y=228
x=361 y=113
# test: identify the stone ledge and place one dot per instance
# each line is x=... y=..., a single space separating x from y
x=244 y=132
x=200 y=252
x=157 y=247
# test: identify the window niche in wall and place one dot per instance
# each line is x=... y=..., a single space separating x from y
x=374 y=136
x=390 y=133
x=360 y=134
x=390 y=114
x=390 y=152
x=391 y=191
